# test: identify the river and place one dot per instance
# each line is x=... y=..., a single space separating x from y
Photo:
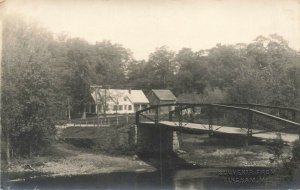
x=213 y=163
x=198 y=178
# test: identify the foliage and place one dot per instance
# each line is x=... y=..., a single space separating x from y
x=26 y=88
x=192 y=72
x=287 y=164
x=276 y=149
x=210 y=95
x=45 y=76
x=296 y=151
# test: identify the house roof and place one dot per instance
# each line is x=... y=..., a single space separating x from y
x=138 y=96
x=118 y=95
x=164 y=95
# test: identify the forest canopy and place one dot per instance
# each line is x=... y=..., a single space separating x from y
x=45 y=74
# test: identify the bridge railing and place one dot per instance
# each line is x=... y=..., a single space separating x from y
x=279 y=111
x=283 y=112
x=103 y=121
x=262 y=122
x=155 y=113
x=215 y=116
x=211 y=116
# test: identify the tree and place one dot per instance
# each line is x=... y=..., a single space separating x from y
x=26 y=87
x=223 y=65
x=268 y=74
x=162 y=66
x=111 y=62
x=140 y=75
x=192 y=71
x=80 y=74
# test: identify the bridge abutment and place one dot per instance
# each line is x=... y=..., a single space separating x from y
x=176 y=141
x=153 y=141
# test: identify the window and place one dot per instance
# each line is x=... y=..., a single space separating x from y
x=125 y=99
x=120 y=107
x=93 y=109
x=129 y=107
x=125 y=107
x=115 y=107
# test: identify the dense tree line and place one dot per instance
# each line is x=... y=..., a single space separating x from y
x=44 y=76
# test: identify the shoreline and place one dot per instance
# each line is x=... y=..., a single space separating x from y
x=66 y=160
x=50 y=175
x=69 y=160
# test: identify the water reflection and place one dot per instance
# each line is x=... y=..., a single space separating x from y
x=201 y=178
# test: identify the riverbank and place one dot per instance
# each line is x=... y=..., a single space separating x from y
x=67 y=160
x=228 y=152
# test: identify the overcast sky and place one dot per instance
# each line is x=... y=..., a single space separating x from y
x=143 y=25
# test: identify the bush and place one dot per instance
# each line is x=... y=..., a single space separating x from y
x=296 y=151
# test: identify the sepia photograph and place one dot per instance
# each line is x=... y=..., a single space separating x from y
x=150 y=94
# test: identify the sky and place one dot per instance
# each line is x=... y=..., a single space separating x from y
x=143 y=25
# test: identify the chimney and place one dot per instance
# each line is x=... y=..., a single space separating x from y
x=129 y=90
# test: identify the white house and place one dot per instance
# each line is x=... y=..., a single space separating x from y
x=117 y=101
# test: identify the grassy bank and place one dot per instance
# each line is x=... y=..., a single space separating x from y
x=227 y=152
x=113 y=140
x=64 y=159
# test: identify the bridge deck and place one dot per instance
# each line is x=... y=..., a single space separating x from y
x=204 y=128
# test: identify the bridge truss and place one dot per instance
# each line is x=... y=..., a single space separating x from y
x=250 y=118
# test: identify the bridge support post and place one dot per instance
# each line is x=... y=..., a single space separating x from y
x=180 y=116
x=156 y=115
x=250 y=117
x=249 y=127
x=192 y=114
x=170 y=116
x=293 y=116
x=210 y=125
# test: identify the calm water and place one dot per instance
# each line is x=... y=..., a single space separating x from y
x=201 y=178
x=186 y=177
